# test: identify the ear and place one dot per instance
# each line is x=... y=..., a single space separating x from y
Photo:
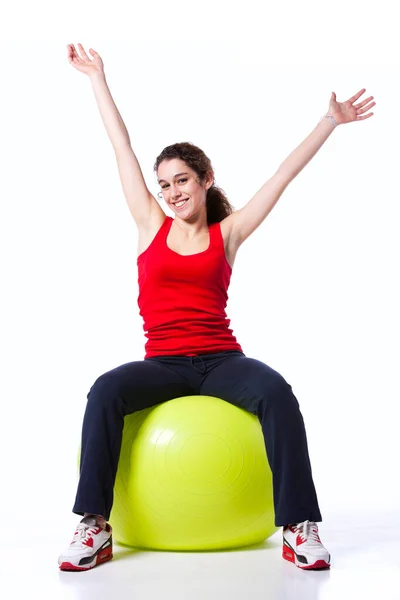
x=209 y=180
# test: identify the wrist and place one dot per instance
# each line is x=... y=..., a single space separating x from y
x=97 y=76
x=331 y=119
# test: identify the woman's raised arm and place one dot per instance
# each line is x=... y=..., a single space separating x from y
x=142 y=204
x=241 y=223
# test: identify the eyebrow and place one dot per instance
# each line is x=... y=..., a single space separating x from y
x=177 y=175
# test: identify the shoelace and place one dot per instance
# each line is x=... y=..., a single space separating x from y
x=308 y=531
x=83 y=532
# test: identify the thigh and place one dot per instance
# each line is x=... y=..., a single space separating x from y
x=141 y=384
x=243 y=381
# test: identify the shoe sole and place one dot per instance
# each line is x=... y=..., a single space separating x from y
x=104 y=556
x=290 y=555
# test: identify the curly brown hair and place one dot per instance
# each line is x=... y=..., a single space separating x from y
x=217 y=204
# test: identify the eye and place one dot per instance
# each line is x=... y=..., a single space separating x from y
x=181 y=180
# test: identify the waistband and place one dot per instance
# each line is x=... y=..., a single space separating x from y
x=201 y=366
x=198 y=361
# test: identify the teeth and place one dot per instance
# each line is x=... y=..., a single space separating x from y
x=181 y=203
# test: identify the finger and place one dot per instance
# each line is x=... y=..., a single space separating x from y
x=364 y=117
x=74 y=56
x=356 y=96
x=76 y=60
x=82 y=51
x=364 y=102
x=360 y=111
x=74 y=50
x=71 y=50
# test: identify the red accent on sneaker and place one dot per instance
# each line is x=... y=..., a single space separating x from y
x=89 y=540
x=287 y=553
x=66 y=566
x=104 y=556
x=319 y=564
x=299 y=539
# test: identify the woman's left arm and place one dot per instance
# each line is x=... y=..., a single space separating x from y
x=245 y=220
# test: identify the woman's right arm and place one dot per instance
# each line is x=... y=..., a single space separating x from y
x=143 y=206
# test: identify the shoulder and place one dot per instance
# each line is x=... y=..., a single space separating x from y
x=229 y=230
x=147 y=234
x=230 y=237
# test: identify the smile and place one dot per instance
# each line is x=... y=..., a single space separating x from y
x=180 y=203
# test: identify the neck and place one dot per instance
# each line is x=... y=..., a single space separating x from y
x=195 y=225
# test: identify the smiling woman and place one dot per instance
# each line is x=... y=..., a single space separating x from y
x=166 y=193
x=184 y=270
x=196 y=168
x=181 y=182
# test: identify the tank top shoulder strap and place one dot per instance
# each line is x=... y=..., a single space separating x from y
x=162 y=233
x=216 y=239
x=159 y=239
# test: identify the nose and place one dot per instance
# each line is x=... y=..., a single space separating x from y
x=175 y=192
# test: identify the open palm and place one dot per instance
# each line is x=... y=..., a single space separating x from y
x=83 y=62
x=346 y=112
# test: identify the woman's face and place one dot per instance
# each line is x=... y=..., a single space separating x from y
x=181 y=188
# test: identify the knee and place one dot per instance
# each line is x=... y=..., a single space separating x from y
x=278 y=395
x=104 y=392
x=277 y=385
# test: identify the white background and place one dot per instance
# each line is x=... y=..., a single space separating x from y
x=314 y=291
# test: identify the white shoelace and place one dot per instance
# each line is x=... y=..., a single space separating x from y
x=83 y=532
x=309 y=532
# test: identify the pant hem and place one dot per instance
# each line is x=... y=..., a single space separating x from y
x=284 y=522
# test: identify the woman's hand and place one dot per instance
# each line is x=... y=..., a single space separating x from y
x=85 y=64
x=346 y=112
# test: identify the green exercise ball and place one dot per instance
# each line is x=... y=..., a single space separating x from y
x=193 y=475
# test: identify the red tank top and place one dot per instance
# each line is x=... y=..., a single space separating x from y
x=182 y=299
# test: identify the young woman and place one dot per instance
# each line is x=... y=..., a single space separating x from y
x=184 y=266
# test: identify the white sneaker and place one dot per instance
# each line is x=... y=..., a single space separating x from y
x=90 y=546
x=302 y=546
